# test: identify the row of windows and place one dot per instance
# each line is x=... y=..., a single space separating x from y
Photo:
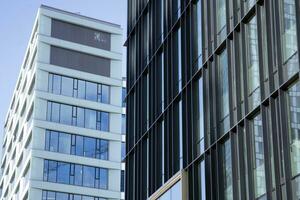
x=79 y=34
x=76 y=145
x=75 y=174
x=77 y=88
x=50 y=195
x=77 y=116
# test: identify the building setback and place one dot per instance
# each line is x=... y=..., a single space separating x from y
x=213 y=100
x=63 y=131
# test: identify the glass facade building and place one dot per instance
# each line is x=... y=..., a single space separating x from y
x=65 y=129
x=213 y=100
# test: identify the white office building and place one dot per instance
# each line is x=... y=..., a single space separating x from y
x=65 y=125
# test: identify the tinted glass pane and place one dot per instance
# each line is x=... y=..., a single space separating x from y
x=66 y=114
x=67 y=86
x=105 y=94
x=63 y=172
x=103 y=178
x=123 y=124
x=90 y=119
x=104 y=121
x=78 y=175
x=88 y=176
x=176 y=191
x=80 y=117
x=81 y=89
x=62 y=196
x=79 y=145
x=47 y=140
x=54 y=141
x=89 y=147
x=56 y=84
x=55 y=112
x=52 y=170
x=104 y=149
x=64 y=143
x=91 y=91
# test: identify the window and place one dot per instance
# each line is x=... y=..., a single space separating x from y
x=123 y=97
x=123 y=150
x=201 y=181
x=123 y=124
x=122 y=180
x=174 y=193
x=197 y=34
x=67 y=86
x=258 y=156
x=78 y=88
x=227 y=170
x=76 y=145
x=289 y=36
x=294 y=126
x=199 y=116
x=253 y=64
x=177 y=61
x=76 y=116
x=79 y=61
x=223 y=92
x=62 y=172
x=79 y=34
x=221 y=20
x=49 y=195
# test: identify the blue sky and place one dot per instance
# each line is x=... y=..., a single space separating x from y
x=16 y=21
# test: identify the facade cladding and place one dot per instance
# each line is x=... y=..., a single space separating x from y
x=213 y=99
x=65 y=126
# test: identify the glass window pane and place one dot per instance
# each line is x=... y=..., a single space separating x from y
x=66 y=114
x=78 y=175
x=80 y=117
x=90 y=119
x=91 y=91
x=81 y=89
x=89 y=147
x=123 y=150
x=61 y=196
x=79 y=145
x=54 y=141
x=67 y=86
x=47 y=140
x=221 y=20
x=104 y=121
x=103 y=178
x=56 y=84
x=227 y=171
x=88 y=176
x=55 y=112
x=176 y=191
x=63 y=172
x=50 y=82
x=294 y=127
x=52 y=170
x=64 y=143
x=259 y=160
x=123 y=124
x=105 y=94
x=104 y=149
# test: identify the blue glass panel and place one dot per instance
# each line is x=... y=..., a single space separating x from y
x=103 y=178
x=63 y=172
x=104 y=121
x=80 y=117
x=55 y=112
x=56 y=84
x=67 y=86
x=91 y=91
x=78 y=175
x=52 y=170
x=90 y=119
x=79 y=145
x=88 y=176
x=62 y=196
x=53 y=141
x=64 y=143
x=89 y=147
x=81 y=89
x=105 y=94
x=104 y=149
x=66 y=114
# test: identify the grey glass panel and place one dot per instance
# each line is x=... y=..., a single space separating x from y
x=90 y=119
x=66 y=114
x=80 y=34
x=221 y=20
x=88 y=176
x=176 y=191
x=64 y=143
x=91 y=91
x=80 y=61
x=104 y=149
x=123 y=124
x=227 y=171
x=67 y=86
